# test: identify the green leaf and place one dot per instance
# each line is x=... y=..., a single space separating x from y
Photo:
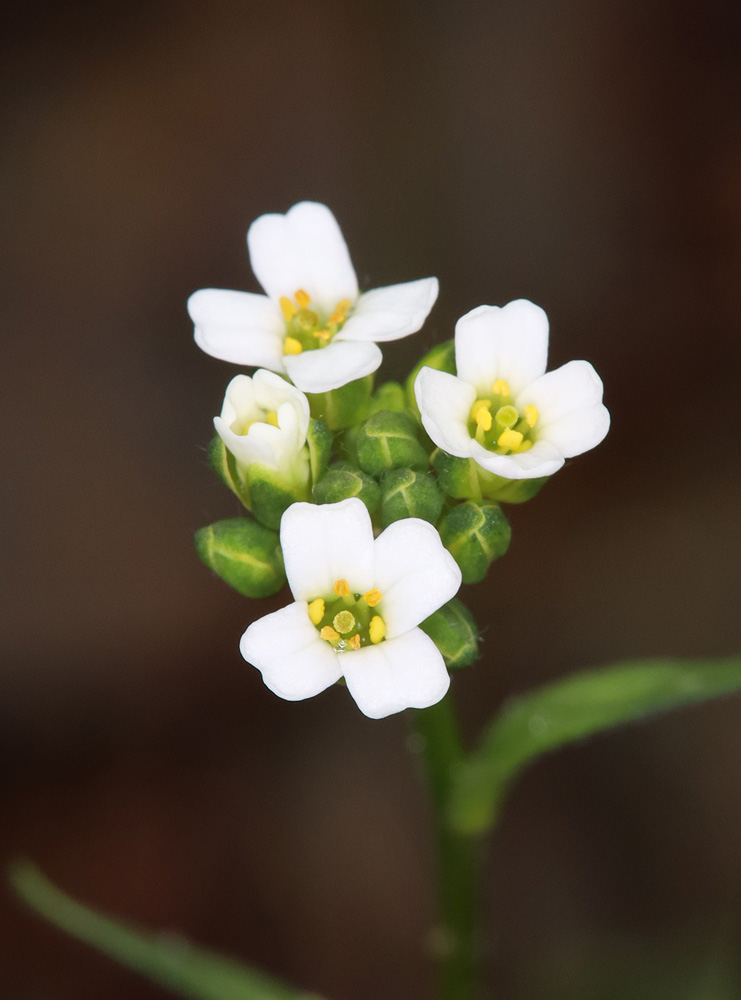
x=163 y=958
x=569 y=710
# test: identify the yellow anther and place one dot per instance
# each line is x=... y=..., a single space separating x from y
x=377 y=629
x=339 y=314
x=329 y=633
x=302 y=298
x=271 y=417
x=483 y=419
x=373 y=597
x=500 y=388
x=525 y=446
x=344 y=621
x=509 y=439
x=324 y=335
x=292 y=346
x=531 y=414
x=341 y=588
x=316 y=610
x=355 y=642
x=288 y=309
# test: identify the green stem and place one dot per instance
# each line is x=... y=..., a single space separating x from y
x=456 y=939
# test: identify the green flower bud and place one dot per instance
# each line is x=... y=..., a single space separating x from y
x=344 y=406
x=270 y=494
x=406 y=493
x=389 y=441
x=342 y=481
x=458 y=477
x=223 y=464
x=454 y=631
x=319 y=439
x=475 y=534
x=441 y=357
x=389 y=396
x=244 y=554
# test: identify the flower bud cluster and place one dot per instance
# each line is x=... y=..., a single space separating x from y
x=374 y=506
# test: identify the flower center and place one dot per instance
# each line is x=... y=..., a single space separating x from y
x=307 y=330
x=269 y=417
x=499 y=426
x=346 y=621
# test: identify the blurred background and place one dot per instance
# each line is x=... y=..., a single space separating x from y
x=586 y=156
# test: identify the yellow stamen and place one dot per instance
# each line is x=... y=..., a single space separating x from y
x=483 y=419
x=377 y=629
x=500 y=388
x=355 y=642
x=341 y=588
x=531 y=415
x=340 y=311
x=525 y=446
x=322 y=335
x=329 y=633
x=509 y=439
x=316 y=610
x=302 y=298
x=271 y=417
x=292 y=346
x=287 y=308
x=373 y=597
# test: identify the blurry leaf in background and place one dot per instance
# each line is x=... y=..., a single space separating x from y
x=571 y=709
x=163 y=958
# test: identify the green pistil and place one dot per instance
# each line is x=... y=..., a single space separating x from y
x=348 y=616
x=505 y=416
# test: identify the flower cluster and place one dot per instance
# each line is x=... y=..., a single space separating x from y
x=374 y=506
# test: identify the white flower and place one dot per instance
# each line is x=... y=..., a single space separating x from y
x=358 y=602
x=264 y=421
x=502 y=409
x=313 y=324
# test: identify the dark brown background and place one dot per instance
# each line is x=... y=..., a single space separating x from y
x=585 y=155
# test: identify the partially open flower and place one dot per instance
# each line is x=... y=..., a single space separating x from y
x=313 y=324
x=358 y=604
x=502 y=409
x=264 y=421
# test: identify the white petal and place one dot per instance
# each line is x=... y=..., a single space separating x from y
x=332 y=366
x=302 y=249
x=415 y=573
x=262 y=444
x=405 y=672
x=273 y=393
x=324 y=543
x=543 y=459
x=444 y=403
x=510 y=343
x=239 y=327
x=391 y=312
x=240 y=404
x=293 y=659
x=569 y=402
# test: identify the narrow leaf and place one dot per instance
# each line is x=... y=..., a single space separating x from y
x=164 y=958
x=572 y=709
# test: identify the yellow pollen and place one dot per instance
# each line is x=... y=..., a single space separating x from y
x=510 y=439
x=377 y=629
x=373 y=597
x=355 y=642
x=316 y=610
x=525 y=446
x=271 y=417
x=302 y=298
x=344 y=621
x=287 y=308
x=292 y=346
x=329 y=633
x=341 y=588
x=500 y=388
x=483 y=418
x=531 y=415
x=322 y=334
x=340 y=311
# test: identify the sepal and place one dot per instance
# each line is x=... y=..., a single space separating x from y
x=458 y=477
x=342 y=481
x=223 y=464
x=475 y=534
x=454 y=631
x=319 y=439
x=270 y=494
x=441 y=357
x=342 y=407
x=244 y=554
x=389 y=396
x=508 y=490
x=389 y=440
x=409 y=493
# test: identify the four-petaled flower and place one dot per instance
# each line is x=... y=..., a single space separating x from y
x=264 y=421
x=502 y=409
x=358 y=604
x=313 y=324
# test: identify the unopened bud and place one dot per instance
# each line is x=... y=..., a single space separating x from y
x=409 y=493
x=454 y=631
x=389 y=440
x=441 y=357
x=475 y=534
x=343 y=481
x=245 y=555
x=389 y=396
